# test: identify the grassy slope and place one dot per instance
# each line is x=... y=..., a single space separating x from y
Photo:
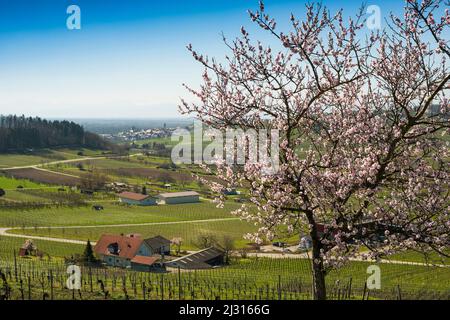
x=187 y=231
x=10 y=183
x=419 y=257
x=54 y=249
x=42 y=156
x=113 y=214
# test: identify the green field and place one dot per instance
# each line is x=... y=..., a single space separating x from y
x=55 y=249
x=431 y=258
x=113 y=213
x=253 y=278
x=67 y=214
x=41 y=156
x=11 y=183
x=188 y=231
x=33 y=158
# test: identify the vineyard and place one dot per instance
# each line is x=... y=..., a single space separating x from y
x=47 y=209
x=113 y=213
x=254 y=279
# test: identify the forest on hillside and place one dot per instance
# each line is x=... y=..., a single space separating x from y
x=20 y=133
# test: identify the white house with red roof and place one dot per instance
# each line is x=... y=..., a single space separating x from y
x=131 y=251
x=120 y=250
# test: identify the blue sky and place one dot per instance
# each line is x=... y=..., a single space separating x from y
x=129 y=58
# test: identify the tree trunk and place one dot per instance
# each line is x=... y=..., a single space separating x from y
x=319 y=287
x=320 y=291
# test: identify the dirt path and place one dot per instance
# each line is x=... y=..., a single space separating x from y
x=40 y=166
x=56 y=172
x=305 y=256
x=3 y=232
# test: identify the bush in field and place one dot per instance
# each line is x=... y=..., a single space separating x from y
x=205 y=240
x=93 y=181
x=80 y=166
x=227 y=244
x=165 y=177
x=177 y=242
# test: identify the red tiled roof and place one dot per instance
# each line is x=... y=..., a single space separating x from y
x=145 y=260
x=127 y=246
x=133 y=196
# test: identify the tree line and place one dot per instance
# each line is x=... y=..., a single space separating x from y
x=20 y=133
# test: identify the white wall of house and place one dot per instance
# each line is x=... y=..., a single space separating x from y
x=116 y=261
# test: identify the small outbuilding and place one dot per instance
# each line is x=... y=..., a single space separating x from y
x=158 y=245
x=179 y=197
x=28 y=249
x=137 y=199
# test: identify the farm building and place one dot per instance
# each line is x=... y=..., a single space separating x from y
x=203 y=259
x=179 y=197
x=158 y=245
x=120 y=250
x=137 y=199
x=144 y=263
x=27 y=249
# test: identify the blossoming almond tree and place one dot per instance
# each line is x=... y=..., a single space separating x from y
x=363 y=118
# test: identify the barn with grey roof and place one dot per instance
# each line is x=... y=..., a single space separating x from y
x=179 y=197
x=203 y=259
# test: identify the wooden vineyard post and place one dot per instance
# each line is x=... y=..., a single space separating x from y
x=179 y=283
x=364 y=292
x=143 y=290
x=51 y=285
x=90 y=279
x=349 y=288
x=15 y=265
x=162 y=286
x=29 y=287
x=279 y=287
x=21 y=290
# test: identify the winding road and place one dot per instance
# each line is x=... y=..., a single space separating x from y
x=4 y=231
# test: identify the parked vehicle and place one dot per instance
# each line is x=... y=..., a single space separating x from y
x=279 y=244
x=305 y=243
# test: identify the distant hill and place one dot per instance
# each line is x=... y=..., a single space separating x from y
x=113 y=126
x=20 y=133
